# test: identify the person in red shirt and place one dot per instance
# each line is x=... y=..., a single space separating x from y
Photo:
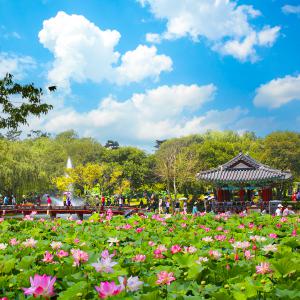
x=294 y=197
x=103 y=200
x=49 y=201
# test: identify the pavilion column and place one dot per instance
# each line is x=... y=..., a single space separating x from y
x=220 y=194
x=242 y=195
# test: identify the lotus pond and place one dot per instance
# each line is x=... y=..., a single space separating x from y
x=151 y=257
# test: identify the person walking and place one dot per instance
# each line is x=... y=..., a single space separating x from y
x=177 y=207
x=13 y=200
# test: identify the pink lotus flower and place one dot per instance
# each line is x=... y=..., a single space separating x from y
x=28 y=218
x=127 y=226
x=248 y=255
x=273 y=235
x=175 y=249
x=183 y=225
x=14 y=242
x=207 y=239
x=278 y=225
x=263 y=268
x=79 y=222
x=283 y=220
x=104 y=265
x=220 y=228
x=139 y=258
x=1 y=220
x=107 y=289
x=190 y=249
x=30 y=243
x=105 y=254
x=151 y=243
x=158 y=253
x=55 y=245
x=251 y=225
x=62 y=254
x=294 y=232
x=139 y=230
x=164 y=277
x=48 y=257
x=79 y=256
x=220 y=238
x=130 y=284
x=76 y=241
x=215 y=254
x=162 y=248
x=41 y=286
x=241 y=226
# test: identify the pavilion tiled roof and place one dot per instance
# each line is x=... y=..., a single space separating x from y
x=243 y=169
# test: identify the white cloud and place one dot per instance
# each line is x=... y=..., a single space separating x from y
x=245 y=49
x=278 y=92
x=16 y=65
x=141 y=63
x=291 y=9
x=82 y=51
x=153 y=38
x=223 y=23
x=163 y=112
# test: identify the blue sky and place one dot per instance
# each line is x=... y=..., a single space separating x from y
x=140 y=70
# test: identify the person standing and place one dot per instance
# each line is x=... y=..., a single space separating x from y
x=102 y=201
x=49 y=201
x=13 y=200
x=160 y=202
x=177 y=206
x=167 y=206
x=278 y=211
x=69 y=201
x=185 y=206
x=6 y=200
x=195 y=209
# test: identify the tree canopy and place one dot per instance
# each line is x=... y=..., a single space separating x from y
x=18 y=102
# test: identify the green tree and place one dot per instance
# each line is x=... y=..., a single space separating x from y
x=281 y=150
x=15 y=113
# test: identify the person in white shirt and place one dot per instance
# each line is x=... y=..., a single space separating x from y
x=278 y=211
x=288 y=211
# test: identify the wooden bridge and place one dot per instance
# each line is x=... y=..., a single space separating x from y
x=52 y=210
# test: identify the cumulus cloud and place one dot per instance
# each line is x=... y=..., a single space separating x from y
x=16 y=65
x=141 y=63
x=223 y=23
x=278 y=92
x=163 y=112
x=82 y=52
x=291 y=9
x=245 y=50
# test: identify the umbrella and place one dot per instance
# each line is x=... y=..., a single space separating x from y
x=67 y=193
x=182 y=198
